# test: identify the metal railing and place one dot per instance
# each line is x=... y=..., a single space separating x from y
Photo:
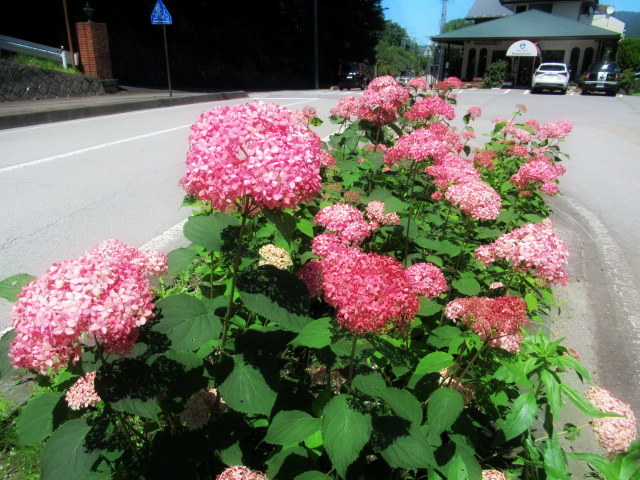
x=16 y=45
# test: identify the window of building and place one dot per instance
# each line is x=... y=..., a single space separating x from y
x=553 y=56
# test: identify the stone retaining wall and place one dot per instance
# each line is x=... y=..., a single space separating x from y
x=23 y=82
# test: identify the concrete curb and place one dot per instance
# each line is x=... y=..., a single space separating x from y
x=121 y=106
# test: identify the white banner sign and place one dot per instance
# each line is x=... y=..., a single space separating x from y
x=523 y=48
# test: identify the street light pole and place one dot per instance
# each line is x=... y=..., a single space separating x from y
x=316 y=83
x=66 y=21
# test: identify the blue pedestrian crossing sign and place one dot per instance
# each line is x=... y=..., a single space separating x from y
x=160 y=15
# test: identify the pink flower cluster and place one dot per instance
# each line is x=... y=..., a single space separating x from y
x=474 y=112
x=452 y=169
x=486 y=159
x=532 y=246
x=198 y=408
x=305 y=115
x=427 y=279
x=345 y=220
x=559 y=129
x=104 y=294
x=477 y=199
x=419 y=145
x=431 y=108
x=347 y=107
x=254 y=150
x=614 y=434
x=516 y=132
x=419 y=83
x=539 y=171
x=82 y=394
x=493 y=475
x=496 y=318
x=379 y=291
x=381 y=100
x=377 y=217
x=240 y=472
x=518 y=150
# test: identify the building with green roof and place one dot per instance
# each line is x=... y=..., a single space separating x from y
x=575 y=32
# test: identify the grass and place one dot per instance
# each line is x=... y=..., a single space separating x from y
x=42 y=63
x=17 y=462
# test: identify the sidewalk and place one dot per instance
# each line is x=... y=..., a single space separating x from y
x=34 y=112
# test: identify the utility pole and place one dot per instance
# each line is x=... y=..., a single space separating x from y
x=443 y=21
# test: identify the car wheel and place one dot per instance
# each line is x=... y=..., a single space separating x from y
x=563 y=91
x=534 y=90
x=341 y=88
x=584 y=92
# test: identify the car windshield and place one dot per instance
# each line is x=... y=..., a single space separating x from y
x=350 y=68
x=405 y=73
x=551 y=68
x=603 y=67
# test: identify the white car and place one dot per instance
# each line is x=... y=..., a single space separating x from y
x=550 y=76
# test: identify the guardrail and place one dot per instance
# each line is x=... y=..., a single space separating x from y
x=16 y=45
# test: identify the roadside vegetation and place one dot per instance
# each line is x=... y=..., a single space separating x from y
x=42 y=63
x=372 y=308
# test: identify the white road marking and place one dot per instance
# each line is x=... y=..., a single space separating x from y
x=526 y=92
x=506 y=91
x=89 y=149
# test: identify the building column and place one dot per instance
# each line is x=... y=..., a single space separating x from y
x=93 y=43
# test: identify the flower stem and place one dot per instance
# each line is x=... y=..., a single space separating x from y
x=353 y=354
x=236 y=264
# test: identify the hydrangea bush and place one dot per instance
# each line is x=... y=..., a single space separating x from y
x=371 y=308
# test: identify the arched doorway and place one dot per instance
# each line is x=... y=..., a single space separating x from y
x=587 y=60
x=482 y=62
x=573 y=63
x=471 y=64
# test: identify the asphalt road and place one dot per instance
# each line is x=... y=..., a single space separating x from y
x=67 y=186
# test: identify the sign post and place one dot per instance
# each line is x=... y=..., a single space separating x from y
x=161 y=16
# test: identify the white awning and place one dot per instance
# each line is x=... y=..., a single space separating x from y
x=523 y=48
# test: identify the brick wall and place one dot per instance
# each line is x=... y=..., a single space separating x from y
x=93 y=43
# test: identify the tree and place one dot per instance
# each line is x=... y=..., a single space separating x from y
x=629 y=54
x=456 y=24
x=396 y=51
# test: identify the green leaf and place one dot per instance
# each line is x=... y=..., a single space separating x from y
x=572 y=362
x=371 y=384
x=434 y=362
x=313 y=475
x=444 y=247
x=66 y=455
x=555 y=462
x=187 y=322
x=428 y=307
x=284 y=222
x=179 y=260
x=391 y=203
x=35 y=422
x=6 y=368
x=444 y=407
x=276 y=295
x=316 y=334
x=601 y=464
x=404 y=404
x=520 y=416
x=10 y=287
x=246 y=390
x=513 y=372
x=552 y=390
x=442 y=337
x=291 y=426
x=147 y=408
x=467 y=286
x=288 y=463
x=345 y=431
x=456 y=468
x=208 y=231
x=401 y=443
x=583 y=404
x=305 y=227
x=531 y=301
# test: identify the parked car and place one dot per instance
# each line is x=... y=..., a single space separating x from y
x=405 y=76
x=550 y=76
x=353 y=75
x=602 y=77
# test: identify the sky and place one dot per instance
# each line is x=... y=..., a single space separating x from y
x=421 y=18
